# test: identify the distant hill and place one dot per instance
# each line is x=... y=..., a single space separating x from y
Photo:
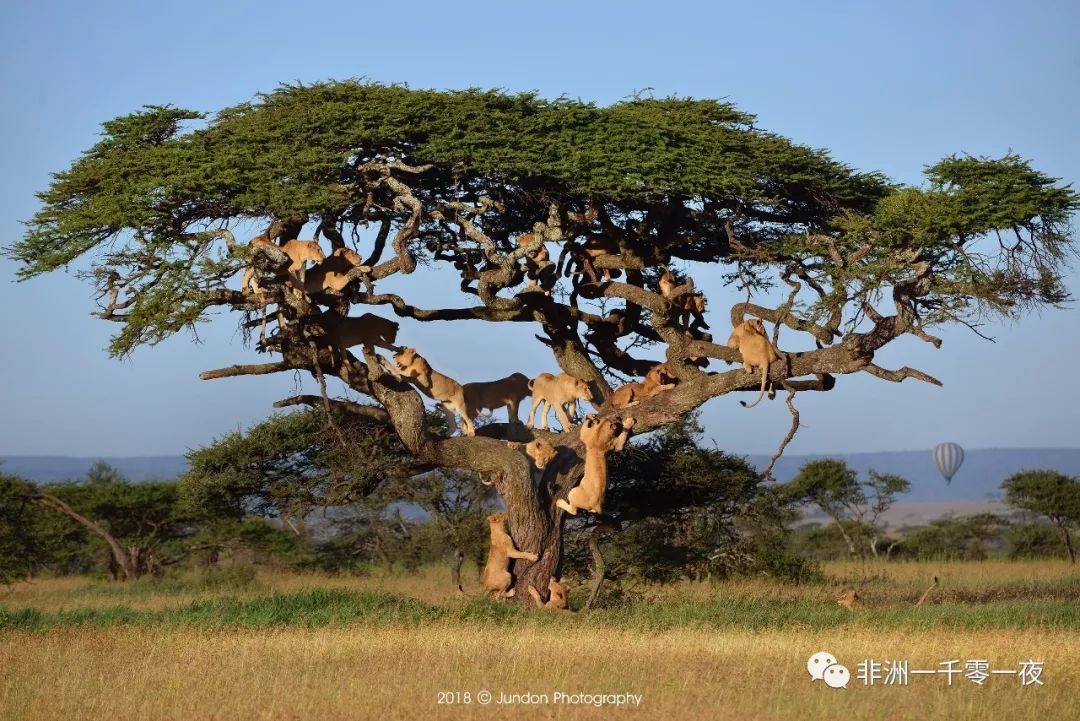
x=978 y=480
x=44 y=469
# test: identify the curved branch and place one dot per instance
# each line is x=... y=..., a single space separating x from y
x=899 y=375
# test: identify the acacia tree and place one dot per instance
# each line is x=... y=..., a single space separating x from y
x=1047 y=493
x=830 y=485
x=453 y=179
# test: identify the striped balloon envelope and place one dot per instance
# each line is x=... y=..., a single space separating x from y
x=948 y=457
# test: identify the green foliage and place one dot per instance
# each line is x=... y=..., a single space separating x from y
x=836 y=489
x=143 y=198
x=1050 y=494
x=967 y=538
x=289 y=465
x=143 y=516
x=319 y=608
x=1044 y=493
x=830 y=541
x=22 y=545
x=1033 y=540
x=692 y=511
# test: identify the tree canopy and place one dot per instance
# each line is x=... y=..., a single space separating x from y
x=478 y=183
x=1050 y=494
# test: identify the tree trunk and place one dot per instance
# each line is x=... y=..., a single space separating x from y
x=1063 y=529
x=455 y=571
x=847 y=538
x=536 y=523
x=126 y=569
x=599 y=568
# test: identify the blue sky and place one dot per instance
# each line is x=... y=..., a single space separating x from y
x=887 y=87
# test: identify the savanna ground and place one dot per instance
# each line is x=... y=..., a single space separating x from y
x=293 y=646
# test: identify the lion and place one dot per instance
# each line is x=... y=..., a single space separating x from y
x=557 y=596
x=497 y=578
x=490 y=395
x=299 y=252
x=752 y=342
x=593 y=248
x=331 y=274
x=557 y=392
x=692 y=305
x=410 y=365
x=851 y=599
x=368 y=330
x=537 y=263
x=599 y=437
x=540 y=451
x=659 y=378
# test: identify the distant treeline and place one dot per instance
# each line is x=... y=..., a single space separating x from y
x=298 y=491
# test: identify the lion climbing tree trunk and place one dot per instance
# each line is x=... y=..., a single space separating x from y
x=536 y=524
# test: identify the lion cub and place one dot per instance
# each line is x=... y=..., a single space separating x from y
x=558 y=393
x=540 y=451
x=752 y=342
x=410 y=365
x=497 y=577
x=331 y=273
x=599 y=436
x=852 y=600
x=660 y=378
x=557 y=598
x=489 y=395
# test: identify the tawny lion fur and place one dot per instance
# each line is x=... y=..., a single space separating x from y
x=540 y=451
x=491 y=395
x=557 y=598
x=659 y=378
x=752 y=342
x=368 y=330
x=536 y=261
x=299 y=252
x=410 y=365
x=497 y=577
x=668 y=284
x=593 y=248
x=599 y=437
x=556 y=392
x=852 y=600
x=331 y=274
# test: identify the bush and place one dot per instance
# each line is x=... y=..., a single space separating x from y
x=1034 y=540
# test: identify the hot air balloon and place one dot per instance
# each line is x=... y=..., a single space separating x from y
x=947 y=458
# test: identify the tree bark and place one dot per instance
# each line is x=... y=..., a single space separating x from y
x=455 y=571
x=1063 y=529
x=598 y=569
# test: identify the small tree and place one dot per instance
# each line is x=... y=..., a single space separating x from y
x=456 y=503
x=836 y=489
x=291 y=464
x=1050 y=494
x=138 y=522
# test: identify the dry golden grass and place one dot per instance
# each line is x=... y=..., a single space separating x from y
x=392 y=673
x=396 y=670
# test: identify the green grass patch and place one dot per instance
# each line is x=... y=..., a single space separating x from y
x=331 y=607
